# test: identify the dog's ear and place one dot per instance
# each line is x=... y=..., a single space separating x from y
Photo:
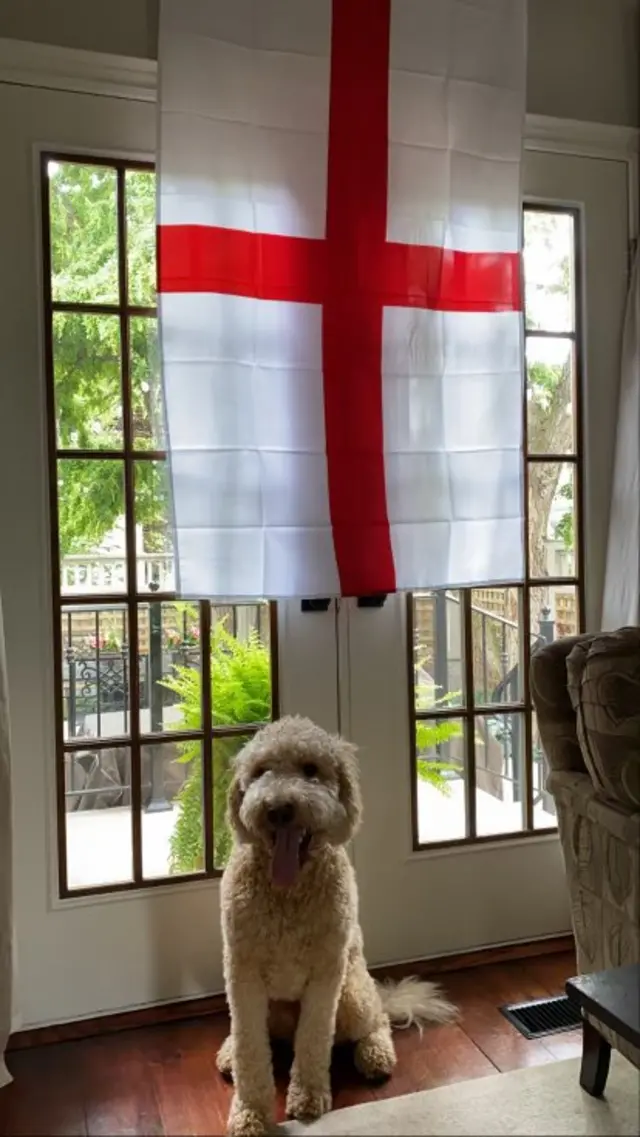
x=349 y=787
x=234 y=801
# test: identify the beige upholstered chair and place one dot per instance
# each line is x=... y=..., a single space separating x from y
x=586 y=693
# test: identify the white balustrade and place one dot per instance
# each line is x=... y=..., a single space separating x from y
x=94 y=574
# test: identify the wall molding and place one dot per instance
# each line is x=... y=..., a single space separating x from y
x=583 y=139
x=49 y=67
x=26 y=64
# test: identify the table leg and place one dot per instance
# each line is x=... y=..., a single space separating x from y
x=596 y=1056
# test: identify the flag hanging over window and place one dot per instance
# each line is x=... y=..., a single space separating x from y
x=340 y=293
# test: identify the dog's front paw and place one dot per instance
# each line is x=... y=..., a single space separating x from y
x=224 y=1058
x=245 y=1121
x=307 y=1102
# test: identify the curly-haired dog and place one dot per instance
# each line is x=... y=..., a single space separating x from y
x=290 y=928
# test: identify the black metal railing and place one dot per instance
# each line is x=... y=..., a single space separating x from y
x=96 y=684
x=499 y=682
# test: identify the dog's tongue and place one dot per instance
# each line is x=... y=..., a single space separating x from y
x=286 y=856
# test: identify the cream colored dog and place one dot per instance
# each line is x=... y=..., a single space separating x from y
x=293 y=954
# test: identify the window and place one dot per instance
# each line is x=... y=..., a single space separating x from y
x=479 y=767
x=154 y=696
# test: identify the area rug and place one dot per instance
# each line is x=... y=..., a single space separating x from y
x=535 y=1102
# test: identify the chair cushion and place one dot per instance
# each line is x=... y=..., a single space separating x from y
x=556 y=716
x=604 y=686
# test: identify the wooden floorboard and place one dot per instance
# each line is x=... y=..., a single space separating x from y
x=161 y=1080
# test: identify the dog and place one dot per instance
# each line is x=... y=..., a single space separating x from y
x=292 y=945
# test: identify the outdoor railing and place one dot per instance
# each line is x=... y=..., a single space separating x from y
x=97 y=684
x=91 y=574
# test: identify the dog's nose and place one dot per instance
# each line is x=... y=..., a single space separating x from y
x=281 y=815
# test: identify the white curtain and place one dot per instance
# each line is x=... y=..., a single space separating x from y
x=621 y=604
x=6 y=925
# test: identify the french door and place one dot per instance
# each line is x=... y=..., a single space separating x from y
x=121 y=732
x=459 y=848
x=126 y=704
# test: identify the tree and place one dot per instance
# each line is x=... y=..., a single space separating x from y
x=550 y=431
x=87 y=353
x=550 y=422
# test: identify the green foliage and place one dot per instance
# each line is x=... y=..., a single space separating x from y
x=429 y=736
x=240 y=694
x=141 y=236
x=87 y=353
x=84 y=250
x=564 y=527
x=550 y=412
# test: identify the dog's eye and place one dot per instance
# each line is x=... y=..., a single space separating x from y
x=310 y=770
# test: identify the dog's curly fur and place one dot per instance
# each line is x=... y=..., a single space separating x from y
x=293 y=954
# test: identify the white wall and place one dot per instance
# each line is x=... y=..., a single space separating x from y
x=583 y=54
x=121 y=27
x=584 y=60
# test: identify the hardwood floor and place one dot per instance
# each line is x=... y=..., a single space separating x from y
x=162 y=1079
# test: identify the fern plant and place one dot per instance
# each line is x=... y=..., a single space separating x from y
x=430 y=735
x=240 y=694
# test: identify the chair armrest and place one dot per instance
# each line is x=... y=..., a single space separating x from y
x=576 y=794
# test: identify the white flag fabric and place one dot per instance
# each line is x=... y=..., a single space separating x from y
x=340 y=293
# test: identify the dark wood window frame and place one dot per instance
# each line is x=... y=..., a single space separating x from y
x=469 y=711
x=131 y=598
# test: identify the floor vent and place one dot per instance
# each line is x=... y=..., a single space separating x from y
x=543 y=1016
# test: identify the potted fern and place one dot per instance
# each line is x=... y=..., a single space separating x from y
x=240 y=695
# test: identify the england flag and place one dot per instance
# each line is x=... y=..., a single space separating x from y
x=340 y=293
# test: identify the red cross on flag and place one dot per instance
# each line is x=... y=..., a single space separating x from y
x=340 y=297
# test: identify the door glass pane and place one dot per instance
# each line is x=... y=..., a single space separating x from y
x=549 y=270
x=554 y=612
x=500 y=781
x=140 y=200
x=86 y=372
x=551 y=411
x=496 y=622
x=552 y=519
x=91 y=526
x=172 y=809
x=440 y=790
x=437 y=650
x=170 y=661
x=155 y=563
x=84 y=228
x=146 y=388
x=544 y=807
x=97 y=803
x=241 y=667
x=95 y=672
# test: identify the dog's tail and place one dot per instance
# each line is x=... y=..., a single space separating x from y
x=415 y=1002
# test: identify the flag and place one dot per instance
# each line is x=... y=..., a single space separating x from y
x=340 y=293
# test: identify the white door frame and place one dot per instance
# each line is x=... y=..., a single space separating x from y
x=43 y=86
x=93 y=954
x=440 y=901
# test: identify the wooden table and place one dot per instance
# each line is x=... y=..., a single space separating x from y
x=613 y=997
